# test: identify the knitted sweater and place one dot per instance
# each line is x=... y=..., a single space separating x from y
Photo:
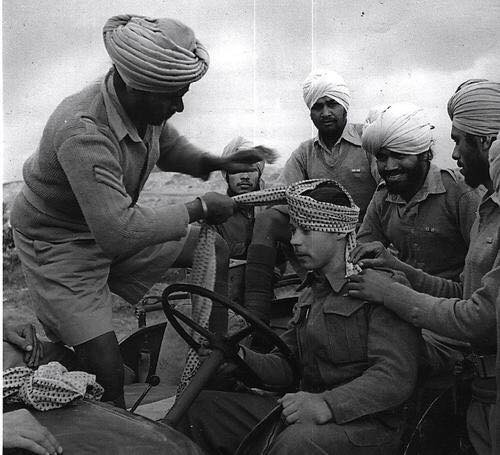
x=86 y=176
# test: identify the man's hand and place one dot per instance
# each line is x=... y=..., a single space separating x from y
x=371 y=284
x=243 y=160
x=219 y=207
x=21 y=430
x=304 y=407
x=372 y=254
x=24 y=337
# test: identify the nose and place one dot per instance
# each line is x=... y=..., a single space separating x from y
x=391 y=164
x=296 y=239
x=179 y=105
x=325 y=112
x=455 y=155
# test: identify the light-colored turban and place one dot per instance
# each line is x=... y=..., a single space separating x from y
x=326 y=83
x=240 y=143
x=400 y=128
x=475 y=107
x=154 y=55
x=494 y=157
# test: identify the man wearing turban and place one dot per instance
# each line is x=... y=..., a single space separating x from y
x=426 y=213
x=79 y=230
x=463 y=310
x=355 y=374
x=335 y=153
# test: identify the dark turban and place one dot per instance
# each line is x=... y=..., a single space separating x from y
x=475 y=107
x=154 y=55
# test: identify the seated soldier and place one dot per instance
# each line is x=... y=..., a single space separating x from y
x=358 y=361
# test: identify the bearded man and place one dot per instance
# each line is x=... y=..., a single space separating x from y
x=464 y=310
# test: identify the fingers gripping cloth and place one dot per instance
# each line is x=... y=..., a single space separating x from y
x=304 y=211
x=51 y=386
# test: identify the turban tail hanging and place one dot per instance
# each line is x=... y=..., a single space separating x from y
x=154 y=55
x=475 y=108
x=400 y=128
x=494 y=157
x=304 y=211
x=326 y=83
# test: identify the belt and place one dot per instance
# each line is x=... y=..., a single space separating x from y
x=484 y=366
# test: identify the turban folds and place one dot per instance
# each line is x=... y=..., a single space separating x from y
x=240 y=143
x=494 y=157
x=326 y=83
x=154 y=55
x=475 y=107
x=399 y=128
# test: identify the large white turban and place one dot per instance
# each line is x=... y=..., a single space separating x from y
x=400 y=128
x=154 y=55
x=326 y=83
x=475 y=107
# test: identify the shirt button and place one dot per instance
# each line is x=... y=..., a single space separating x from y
x=415 y=244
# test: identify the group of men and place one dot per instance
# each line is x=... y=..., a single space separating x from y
x=81 y=235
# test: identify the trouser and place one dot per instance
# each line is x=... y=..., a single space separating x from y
x=481 y=426
x=71 y=284
x=218 y=422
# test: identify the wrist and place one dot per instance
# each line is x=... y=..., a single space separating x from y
x=195 y=209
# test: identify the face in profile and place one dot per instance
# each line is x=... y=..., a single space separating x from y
x=243 y=182
x=314 y=249
x=400 y=171
x=154 y=108
x=469 y=157
x=328 y=116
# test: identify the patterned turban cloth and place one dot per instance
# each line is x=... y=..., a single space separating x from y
x=494 y=157
x=154 y=55
x=400 y=128
x=326 y=83
x=237 y=144
x=475 y=107
x=314 y=215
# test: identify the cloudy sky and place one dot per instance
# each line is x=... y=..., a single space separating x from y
x=261 y=50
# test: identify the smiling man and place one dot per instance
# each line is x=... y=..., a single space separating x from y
x=464 y=310
x=335 y=153
x=80 y=233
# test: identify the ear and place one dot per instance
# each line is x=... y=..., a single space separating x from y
x=486 y=142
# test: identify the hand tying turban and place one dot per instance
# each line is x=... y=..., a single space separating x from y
x=240 y=143
x=399 y=128
x=326 y=83
x=154 y=55
x=494 y=156
x=475 y=107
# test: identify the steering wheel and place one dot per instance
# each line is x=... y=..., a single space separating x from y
x=223 y=347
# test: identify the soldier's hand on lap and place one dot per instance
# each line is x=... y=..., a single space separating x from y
x=372 y=254
x=218 y=207
x=304 y=407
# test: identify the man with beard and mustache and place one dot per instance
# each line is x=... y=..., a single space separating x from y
x=78 y=228
x=463 y=310
x=424 y=212
x=335 y=153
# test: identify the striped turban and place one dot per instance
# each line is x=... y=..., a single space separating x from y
x=399 y=128
x=154 y=55
x=240 y=143
x=475 y=107
x=494 y=156
x=326 y=83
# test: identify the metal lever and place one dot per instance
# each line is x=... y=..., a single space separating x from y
x=152 y=382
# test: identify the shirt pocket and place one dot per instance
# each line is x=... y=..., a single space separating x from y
x=346 y=332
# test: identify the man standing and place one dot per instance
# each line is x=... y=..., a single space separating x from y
x=426 y=213
x=465 y=310
x=77 y=226
x=336 y=154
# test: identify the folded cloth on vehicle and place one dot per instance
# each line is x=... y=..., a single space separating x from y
x=51 y=386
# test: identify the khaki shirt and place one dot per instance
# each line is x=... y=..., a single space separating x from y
x=431 y=231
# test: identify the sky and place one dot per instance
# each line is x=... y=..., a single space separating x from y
x=260 y=52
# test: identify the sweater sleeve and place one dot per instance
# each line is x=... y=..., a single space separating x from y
x=295 y=168
x=177 y=154
x=90 y=162
x=389 y=380
x=471 y=320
